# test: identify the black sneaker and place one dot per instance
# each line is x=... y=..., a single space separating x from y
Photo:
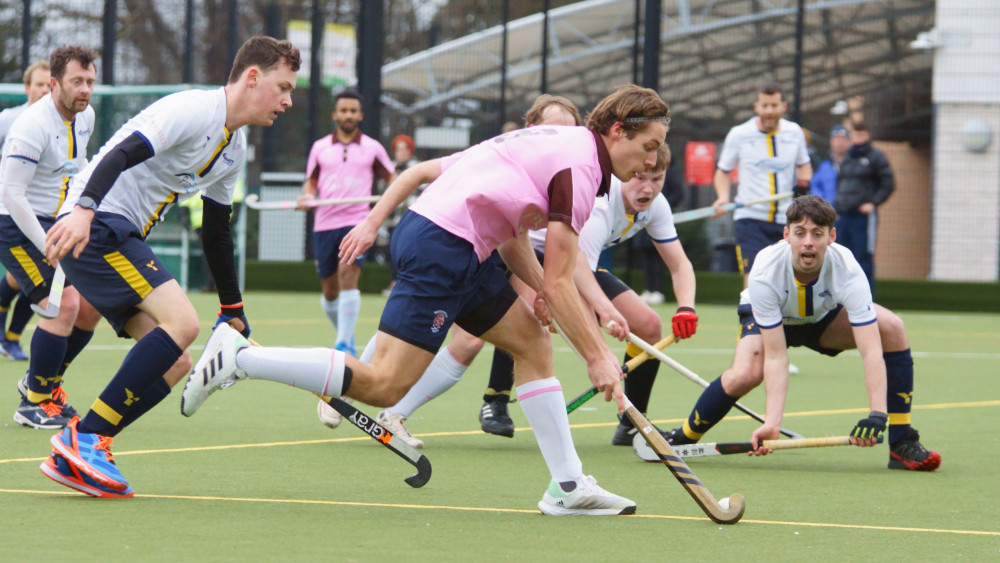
x=495 y=419
x=46 y=415
x=623 y=433
x=909 y=453
x=676 y=437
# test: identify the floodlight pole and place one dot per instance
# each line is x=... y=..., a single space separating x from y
x=110 y=38
x=25 y=35
x=799 y=32
x=651 y=50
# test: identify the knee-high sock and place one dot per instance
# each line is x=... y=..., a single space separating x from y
x=144 y=365
x=639 y=383
x=899 y=392
x=47 y=352
x=320 y=370
x=501 y=376
x=545 y=408
x=369 y=351
x=7 y=294
x=75 y=344
x=441 y=375
x=330 y=309
x=347 y=315
x=150 y=399
x=712 y=406
x=19 y=318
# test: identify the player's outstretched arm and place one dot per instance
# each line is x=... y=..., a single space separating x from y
x=775 y=387
x=363 y=236
x=869 y=344
x=722 y=186
x=610 y=318
x=685 y=321
x=17 y=174
x=520 y=257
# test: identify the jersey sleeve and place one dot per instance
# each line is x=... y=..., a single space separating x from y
x=730 y=152
x=856 y=295
x=25 y=141
x=312 y=164
x=595 y=233
x=765 y=302
x=447 y=161
x=661 y=221
x=572 y=193
x=382 y=165
x=172 y=121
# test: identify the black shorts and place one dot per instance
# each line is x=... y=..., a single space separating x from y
x=752 y=236
x=610 y=284
x=807 y=335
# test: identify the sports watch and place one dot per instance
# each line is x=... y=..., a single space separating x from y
x=87 y=202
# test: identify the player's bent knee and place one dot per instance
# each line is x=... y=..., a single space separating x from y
x=465 y=349
x=892 y=330
x=648 y=326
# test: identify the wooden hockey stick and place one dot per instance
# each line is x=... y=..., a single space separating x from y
x=253 y=202
x=703 y=212
x=644 y=452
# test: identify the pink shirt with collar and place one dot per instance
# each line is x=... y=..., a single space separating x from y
x=518 y=181
x=345 y=171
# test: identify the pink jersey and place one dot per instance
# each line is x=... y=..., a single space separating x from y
x=518 y=181
x=345 y=171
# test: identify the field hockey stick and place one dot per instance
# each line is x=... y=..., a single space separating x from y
x=694 y=377
x=382 y=435
x=626 y=368
x=253 y=202
x=704 y=212
x=646 y=453
x=727 y=511
x=51 y=310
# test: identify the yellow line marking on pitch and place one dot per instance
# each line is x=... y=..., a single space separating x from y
x=363 y=438
x=521 y=511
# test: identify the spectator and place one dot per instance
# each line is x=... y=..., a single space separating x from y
x=864 y=182
x=824 y=181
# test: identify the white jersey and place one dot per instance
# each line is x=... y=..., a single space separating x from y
x=767 y=164
x=192 y=151
x=57 y=148
x=778 y=298
x=7 y=118
x=609 y=224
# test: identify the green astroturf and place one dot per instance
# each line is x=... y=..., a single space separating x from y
x=254 y=476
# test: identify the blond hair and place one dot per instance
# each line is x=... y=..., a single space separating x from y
x=542 y=103
x=40 y=65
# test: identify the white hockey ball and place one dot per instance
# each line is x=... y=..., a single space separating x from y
x=724 y=504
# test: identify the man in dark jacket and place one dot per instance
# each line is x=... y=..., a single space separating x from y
x=864 y=182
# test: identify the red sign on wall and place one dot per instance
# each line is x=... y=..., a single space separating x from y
x=699 y=163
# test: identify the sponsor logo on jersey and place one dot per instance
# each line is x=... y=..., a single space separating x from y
x=227 y=160
x=186 y=179
x=439 y=319
x=772 y=164
x=68 y=168
x=824 y=293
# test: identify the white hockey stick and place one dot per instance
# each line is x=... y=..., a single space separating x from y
x=695 y=214
x=55 y=296
x=253 y=202
x=645 y=453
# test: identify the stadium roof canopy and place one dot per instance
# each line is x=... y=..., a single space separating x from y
x=713 y=53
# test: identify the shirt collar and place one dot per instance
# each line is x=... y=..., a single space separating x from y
x=356 y=140
x=605 y=161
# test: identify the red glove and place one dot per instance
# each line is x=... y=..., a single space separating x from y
x=685 y=322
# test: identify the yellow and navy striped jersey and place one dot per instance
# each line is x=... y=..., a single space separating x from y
x=193 y=154
x=766 y=163
x=57 y=148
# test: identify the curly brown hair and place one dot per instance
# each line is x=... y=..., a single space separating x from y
x=60 y=57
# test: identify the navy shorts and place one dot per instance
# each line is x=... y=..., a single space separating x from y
x=440 y=281
x=23 y=260
x=807 y=335
x=752 y=236
x=116 y=270
x=326 y=246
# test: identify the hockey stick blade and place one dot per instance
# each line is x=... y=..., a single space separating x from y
x=51 y=310
x=730 y=514
x=580 y=399
x=382 y=435
x=646 y=453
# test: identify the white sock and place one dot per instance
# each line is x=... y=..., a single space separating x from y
x=443 y=373
x=330 y=308
x=545 y=408
x=349 y=305
x=320 y=370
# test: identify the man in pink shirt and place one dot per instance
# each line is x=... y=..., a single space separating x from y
x=342 y=164
x=486 y=200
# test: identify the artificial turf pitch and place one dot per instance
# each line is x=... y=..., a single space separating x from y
x=255 y=476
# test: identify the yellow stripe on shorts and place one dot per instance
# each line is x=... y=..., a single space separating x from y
x=28 y=264
x=106 y=412
x=128 y=272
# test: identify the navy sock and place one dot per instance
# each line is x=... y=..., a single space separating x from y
x=711 y=408
x=150 y=399
x=75 y=344
x=7 y=294
x=899 y=396
x=47 y=351
x=144 y=365
x=639 y=383
x=20 y=316
x=501 y=376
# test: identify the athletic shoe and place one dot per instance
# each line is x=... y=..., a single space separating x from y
x=60 y=398
x=396 y=423
x=677 y=437
x=328 y=415
x=909 y=453
x=12 y=349
x=652 y=297
x=623 y=433
x=346 y=348
x=216 y=368
x=495 y=418
x=46 y=415
x=91 y=454
x=587 y=499
x=57 y=468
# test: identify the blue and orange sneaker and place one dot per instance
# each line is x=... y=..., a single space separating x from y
x=57 y=468
x=91 y=454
